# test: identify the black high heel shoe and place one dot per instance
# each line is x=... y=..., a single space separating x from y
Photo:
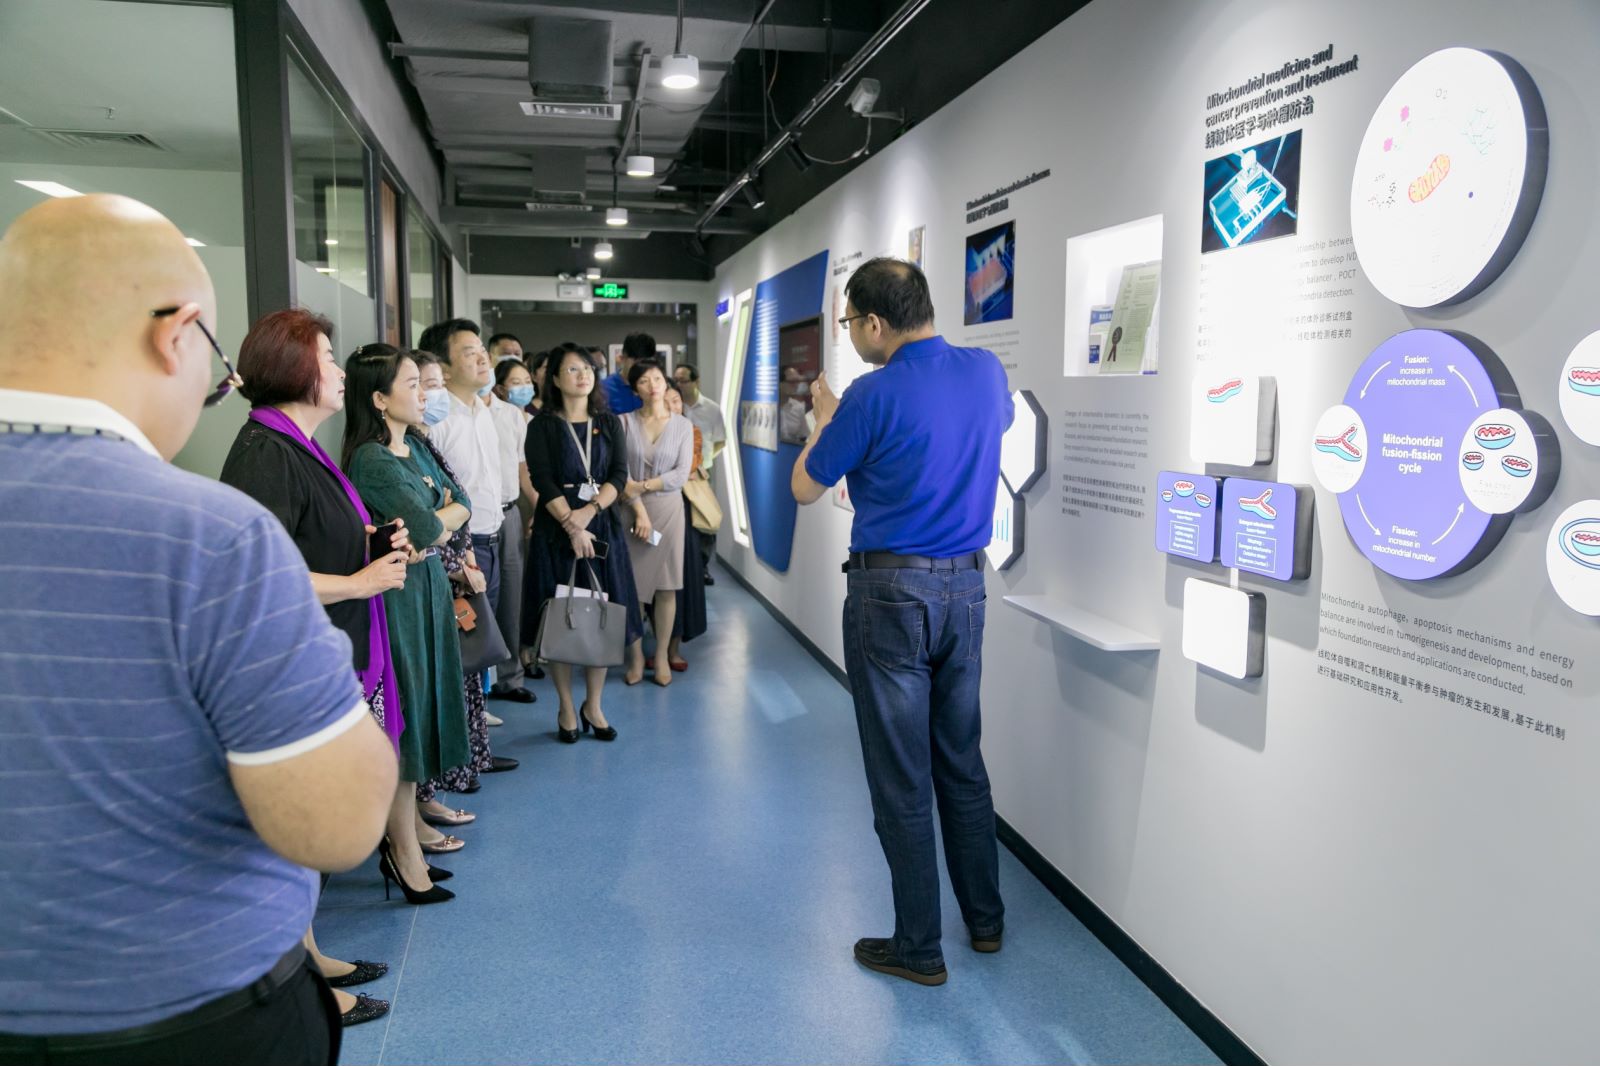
x=607 y=733
x=391 y=872
x=566 y=736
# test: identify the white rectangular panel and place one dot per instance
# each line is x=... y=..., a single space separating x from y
x=1224 y=628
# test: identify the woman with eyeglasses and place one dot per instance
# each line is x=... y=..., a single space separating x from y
x=399 y=479
x=690 y=620
x=294 y=385
x=578 y=466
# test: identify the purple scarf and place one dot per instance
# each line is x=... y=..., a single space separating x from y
x=380 y=666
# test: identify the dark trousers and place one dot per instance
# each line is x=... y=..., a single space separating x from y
x=295 y=1025
x=508 y=606
x=486 y=550
x=913 y=648
x=708 y=545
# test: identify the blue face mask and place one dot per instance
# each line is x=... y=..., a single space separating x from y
x=438 y=406
x=520 y=395
x=487 y=389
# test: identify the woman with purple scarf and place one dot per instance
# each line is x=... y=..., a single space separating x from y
x=291 y=379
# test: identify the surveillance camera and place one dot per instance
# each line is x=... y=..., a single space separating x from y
x=864 y=95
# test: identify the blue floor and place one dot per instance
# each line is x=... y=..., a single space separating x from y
x=690 y=893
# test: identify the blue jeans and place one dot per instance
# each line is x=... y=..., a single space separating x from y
x=913 y=648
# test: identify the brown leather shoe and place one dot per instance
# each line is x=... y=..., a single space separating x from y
x=878 y=954
x=987 y=944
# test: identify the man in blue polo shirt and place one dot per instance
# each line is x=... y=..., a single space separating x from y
x=183 y=735
x=620 y=396
x=918 y=441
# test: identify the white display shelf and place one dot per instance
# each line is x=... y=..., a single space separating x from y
x=1091 y=628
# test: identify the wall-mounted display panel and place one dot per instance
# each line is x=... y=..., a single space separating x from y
x=1224 y=629
x=1579 y=390
x=1186 y=515
x=1096 y=265
x=1266 y=528
x=1232 y=418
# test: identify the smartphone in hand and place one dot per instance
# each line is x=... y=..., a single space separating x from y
x=381 y=542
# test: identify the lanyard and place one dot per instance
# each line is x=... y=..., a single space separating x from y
x=584 y=447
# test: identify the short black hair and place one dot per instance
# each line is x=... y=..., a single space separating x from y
x=693 y=371
x=498 y=337
x=436 y=338
x=536 y=360
x=642 y=367
x=503 y=369
x=639 y=346
x=894 y=290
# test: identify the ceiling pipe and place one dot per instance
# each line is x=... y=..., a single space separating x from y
x=858 y=62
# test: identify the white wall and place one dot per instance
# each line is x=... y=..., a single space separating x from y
x=1339 y=878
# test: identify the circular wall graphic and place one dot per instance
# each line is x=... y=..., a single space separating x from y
x=1508 y=461
x=1415 y=396
x=1572 y=557
x=1580 y=390
x=1449 y=177
x=1339 y=448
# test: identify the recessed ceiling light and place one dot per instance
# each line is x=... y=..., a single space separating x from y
x=49 y=188
x=641 y=166
x=194 y=243
x=326 y=270
x=616 y=216
x=602 y=250
x=680 y=71
x=331 y=241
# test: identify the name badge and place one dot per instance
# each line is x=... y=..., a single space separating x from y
x=587 y=491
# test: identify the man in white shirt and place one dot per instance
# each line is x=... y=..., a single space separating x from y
x=511 y=430
x=707 y=417
x=469 y=443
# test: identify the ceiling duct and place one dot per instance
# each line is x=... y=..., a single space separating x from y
x=560 y=174
x=551 y=109
x=96 y=139
x=569 y=59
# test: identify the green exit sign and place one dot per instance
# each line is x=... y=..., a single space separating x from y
x=610 y=290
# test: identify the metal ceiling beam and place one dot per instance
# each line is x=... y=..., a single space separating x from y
x=562 y=222
x=886 y=33
x=499 y=55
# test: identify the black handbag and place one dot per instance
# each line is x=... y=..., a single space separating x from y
x=482 y=646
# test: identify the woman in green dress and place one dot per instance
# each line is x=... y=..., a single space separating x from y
x=398 y=478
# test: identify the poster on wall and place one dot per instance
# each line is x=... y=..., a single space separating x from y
x=990 y=275
x=914 y=246
x=1252 y=194
x=758 y=424
x=799 y=364
x=1128 y=332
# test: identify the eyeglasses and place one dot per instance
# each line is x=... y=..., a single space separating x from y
x=847 y=319
x=227 y=384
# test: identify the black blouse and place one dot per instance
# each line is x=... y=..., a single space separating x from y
x=554 y=462
x=305 y=496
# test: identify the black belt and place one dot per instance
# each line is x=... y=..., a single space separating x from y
x=894 y=561
x=504 y=507
x=258 y=991
x=486 y=538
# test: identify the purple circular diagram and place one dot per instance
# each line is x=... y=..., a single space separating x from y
x=1417 y=394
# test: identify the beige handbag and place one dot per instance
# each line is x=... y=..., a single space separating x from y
x=705 y=512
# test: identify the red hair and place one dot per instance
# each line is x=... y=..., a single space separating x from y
x=278 y=358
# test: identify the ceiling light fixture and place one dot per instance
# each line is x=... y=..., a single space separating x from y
x=593 y=273
x=752 y=195
x=641 y=166
x=192 y=243
x=603 y=250
x=680 y=70
x=615 y=216
x=331 y=241
x=49 y=188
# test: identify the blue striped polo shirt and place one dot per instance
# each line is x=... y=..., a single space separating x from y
x=155 y=626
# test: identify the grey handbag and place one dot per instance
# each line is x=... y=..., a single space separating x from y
x=582 y=630
x=482 y=646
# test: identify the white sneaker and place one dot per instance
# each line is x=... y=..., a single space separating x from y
x=493 y=720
